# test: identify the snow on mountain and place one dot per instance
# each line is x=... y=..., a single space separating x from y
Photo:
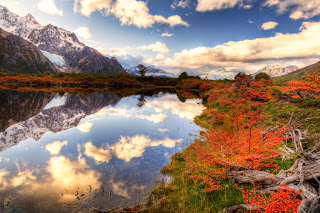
x=77 y=56
x=57 y=59
x=277 y=70
x=151 y=71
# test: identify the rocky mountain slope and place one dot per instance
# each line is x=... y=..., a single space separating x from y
x=21 y=56
x=78 y=57
x=277 y=70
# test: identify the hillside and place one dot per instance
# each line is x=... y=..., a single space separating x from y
x=299 y=74
x=20 y=56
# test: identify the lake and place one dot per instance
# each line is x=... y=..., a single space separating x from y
x=67 y=152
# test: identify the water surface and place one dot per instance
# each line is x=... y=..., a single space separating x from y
x=78 y=153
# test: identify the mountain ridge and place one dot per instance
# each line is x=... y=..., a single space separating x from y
x=79 y=58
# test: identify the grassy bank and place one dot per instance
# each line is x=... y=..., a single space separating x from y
x=199 y=181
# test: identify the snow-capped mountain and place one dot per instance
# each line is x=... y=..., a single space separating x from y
x=151 y=71
x=277 y=70
x=77 y=56
x=56 y=114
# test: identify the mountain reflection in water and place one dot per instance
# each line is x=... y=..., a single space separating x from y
x=76 y=152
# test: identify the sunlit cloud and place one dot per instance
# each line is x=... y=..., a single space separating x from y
x=155 y=118
x=85 y=127
x=269 y=25
x=83 y=32
x=129 y=12
x=98 y=154
x=163 y=130
x=114 y=111
x=55 y=147
x=167 y=35
x=49 y=7
x=247 y=55
x=188 y=109
x=208 y=5
x=156 y=47
x=299 y=9
x=180 y=3
x=130 y=147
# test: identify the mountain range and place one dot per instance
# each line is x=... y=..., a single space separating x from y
x=77 y=56
x=151 y=71
x=277 y=70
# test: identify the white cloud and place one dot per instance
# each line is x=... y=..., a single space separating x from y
x=251 y=22
x=156 y=47
x=247 y=6
x=246 y=55
x=55 y=147
x=189 y=109
x=163 y=130
x=299 y=9
x=166 y=35
x=208 y=5
x=85 y=127
x=180 y=3
x=83 y=32
x=98 y=154
x=86 y=7
x=130 y=147
x=269 y=25
x=49 y=7
x=129 y=12
x=155 y=118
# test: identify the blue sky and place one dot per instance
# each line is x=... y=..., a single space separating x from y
x=217 y=38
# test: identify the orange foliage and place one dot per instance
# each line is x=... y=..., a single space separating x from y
x=303 y=89
x=283 y=200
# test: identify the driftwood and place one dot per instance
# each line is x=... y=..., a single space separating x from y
x=304 y=174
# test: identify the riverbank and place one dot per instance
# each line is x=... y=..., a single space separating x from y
x=235 y=119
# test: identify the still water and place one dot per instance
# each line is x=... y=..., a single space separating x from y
x=82 y=152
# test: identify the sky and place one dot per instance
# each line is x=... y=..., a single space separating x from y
x=214 y=38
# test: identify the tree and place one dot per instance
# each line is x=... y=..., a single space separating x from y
x=142 y=69
x=261 y=76
x=183 y=75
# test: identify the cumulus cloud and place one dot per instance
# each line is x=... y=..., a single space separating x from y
x=208 y=5
x=83 y=32
x=86 y=7
x=251 y=22
x=269 y=25
x=189 y=109
x=155 y=118
x=55 y=147
x=180 y=3
x=130 y=147
x=85 y=127
x=98 y=154
x=299 y=9
x=49 y=7
x=247 y=6
x=156 y=47
x=246 y=55
x=166 y=35
x=163 y=130
x=129 y=12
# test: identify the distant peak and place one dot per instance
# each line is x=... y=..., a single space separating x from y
x=31 y=18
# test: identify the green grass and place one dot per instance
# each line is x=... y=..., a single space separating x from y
x=184 y=195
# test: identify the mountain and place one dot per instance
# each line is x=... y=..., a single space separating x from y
x=77 y=56
x=21 y=56
x=299 y=74
x=277 y=70
x=151 y=71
